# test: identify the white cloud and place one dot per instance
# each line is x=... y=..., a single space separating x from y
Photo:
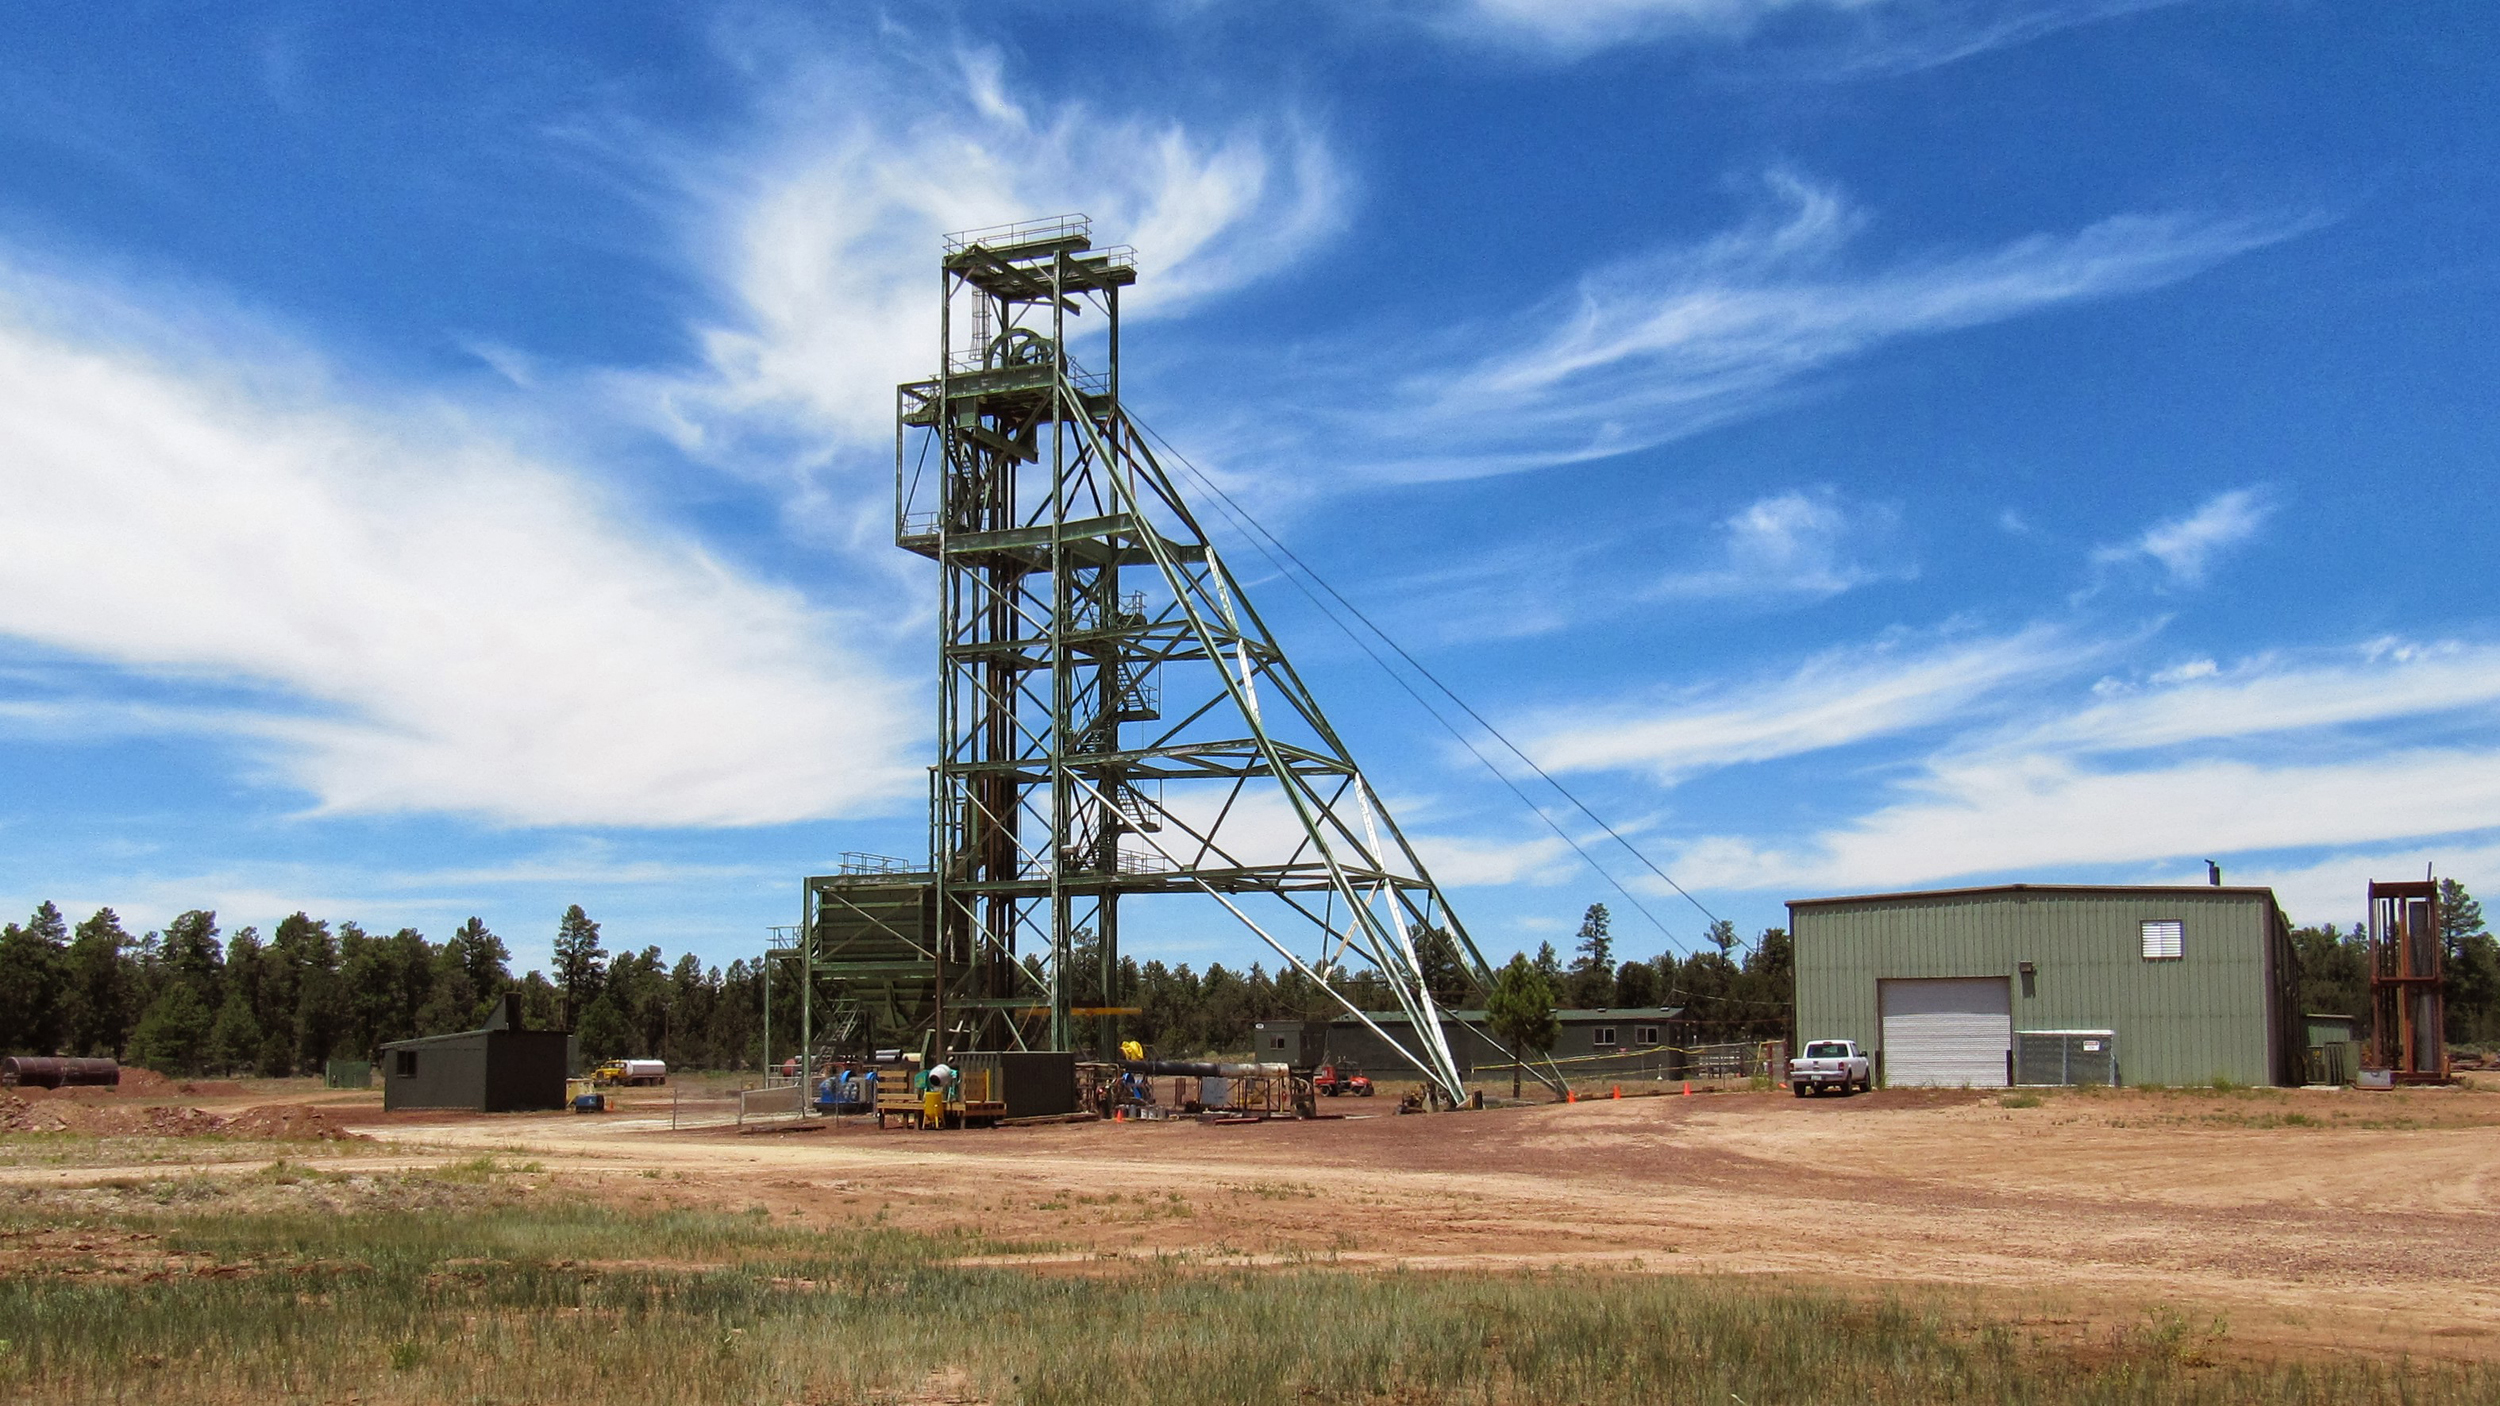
x=1853 y=37
x=2185 y=547
x=827 y=231
x=1457 y=861
x=1595 y=24
x=2191 y=768
x=2266 y=696
x=1834 y=699
x=2336 y=889
x=1673 y=343
x=2038 y=813
x=1791 y=544
x=418 y=617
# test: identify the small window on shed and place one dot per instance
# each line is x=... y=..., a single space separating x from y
x=2163 y=939
x=1644 y=1034
x=404 y=1063
x=1605 y=1035
x=1275 y=1042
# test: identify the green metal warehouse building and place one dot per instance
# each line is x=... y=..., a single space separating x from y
x=2054 y=984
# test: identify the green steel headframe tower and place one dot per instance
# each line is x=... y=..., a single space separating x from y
x=1114 y=718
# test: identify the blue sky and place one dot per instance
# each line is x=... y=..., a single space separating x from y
x=1857 y=444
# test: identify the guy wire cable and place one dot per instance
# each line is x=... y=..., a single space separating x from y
x=1402 y=652
x=1260 y=531
x=1463 y=740
x=1420 y=701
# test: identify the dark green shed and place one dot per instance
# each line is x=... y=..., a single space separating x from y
x=502 y=1068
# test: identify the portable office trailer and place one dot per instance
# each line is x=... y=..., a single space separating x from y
x=2028 y=983
x=1595 y=1042
x=501 y=1068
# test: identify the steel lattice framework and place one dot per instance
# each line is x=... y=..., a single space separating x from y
x=1114 y=718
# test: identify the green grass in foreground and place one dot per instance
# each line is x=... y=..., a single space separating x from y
x=472 y=1290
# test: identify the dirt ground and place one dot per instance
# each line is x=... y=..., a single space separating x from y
x=2274 y=1221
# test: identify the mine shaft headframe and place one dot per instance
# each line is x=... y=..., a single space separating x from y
x=1067 y=701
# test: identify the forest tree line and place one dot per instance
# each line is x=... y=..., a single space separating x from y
x=192 y=1000
x=1725 y=995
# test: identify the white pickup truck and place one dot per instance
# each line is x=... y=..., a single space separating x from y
x=1830 y=1064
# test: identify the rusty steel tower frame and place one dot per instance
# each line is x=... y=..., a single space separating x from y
x=1113 y=716
x=2408 y=982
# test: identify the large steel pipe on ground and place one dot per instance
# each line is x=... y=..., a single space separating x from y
x=53 y=1072
x=1205 y=1070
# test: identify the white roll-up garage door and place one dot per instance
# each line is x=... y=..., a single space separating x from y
x=1952 y=1031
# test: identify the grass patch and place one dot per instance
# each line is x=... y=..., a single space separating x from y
x=496 y=1296
x=77 y=1149
x=2019 y=1101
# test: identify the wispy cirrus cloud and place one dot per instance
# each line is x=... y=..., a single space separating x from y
x=2368 y=747
x=385 y=604
x=1678 y=341
x=2182 y=549
x=825 y=228
x=1842 y=38
x=2334 y=889
x=1898 y=685
x=2046 y=813
x=2200 y=701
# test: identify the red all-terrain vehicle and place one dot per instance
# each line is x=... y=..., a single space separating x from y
x=1334 y=1079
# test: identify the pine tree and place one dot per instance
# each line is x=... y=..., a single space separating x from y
x=1548 y=965
x=34 y=978
x=580 y=962
x=317 y=1017
x=604 y=1033
x=1593 y=974
x=1520 y=1009
x=234 y=1040
x=102 y=992
x=484 y=959
x=2472 y=965
x=1636 y=985
x=1444 y=970
x=193 y=956
x=174 y=1036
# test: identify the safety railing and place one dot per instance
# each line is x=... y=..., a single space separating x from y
x=1022 y=232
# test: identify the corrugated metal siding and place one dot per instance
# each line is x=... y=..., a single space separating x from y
x=2205 y=1015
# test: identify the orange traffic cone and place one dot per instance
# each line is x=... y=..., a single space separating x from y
x=1688 y=1088
x=1618 y=1091
x=1571 y=1096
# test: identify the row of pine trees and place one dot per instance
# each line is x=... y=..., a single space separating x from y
x=194 y=1000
